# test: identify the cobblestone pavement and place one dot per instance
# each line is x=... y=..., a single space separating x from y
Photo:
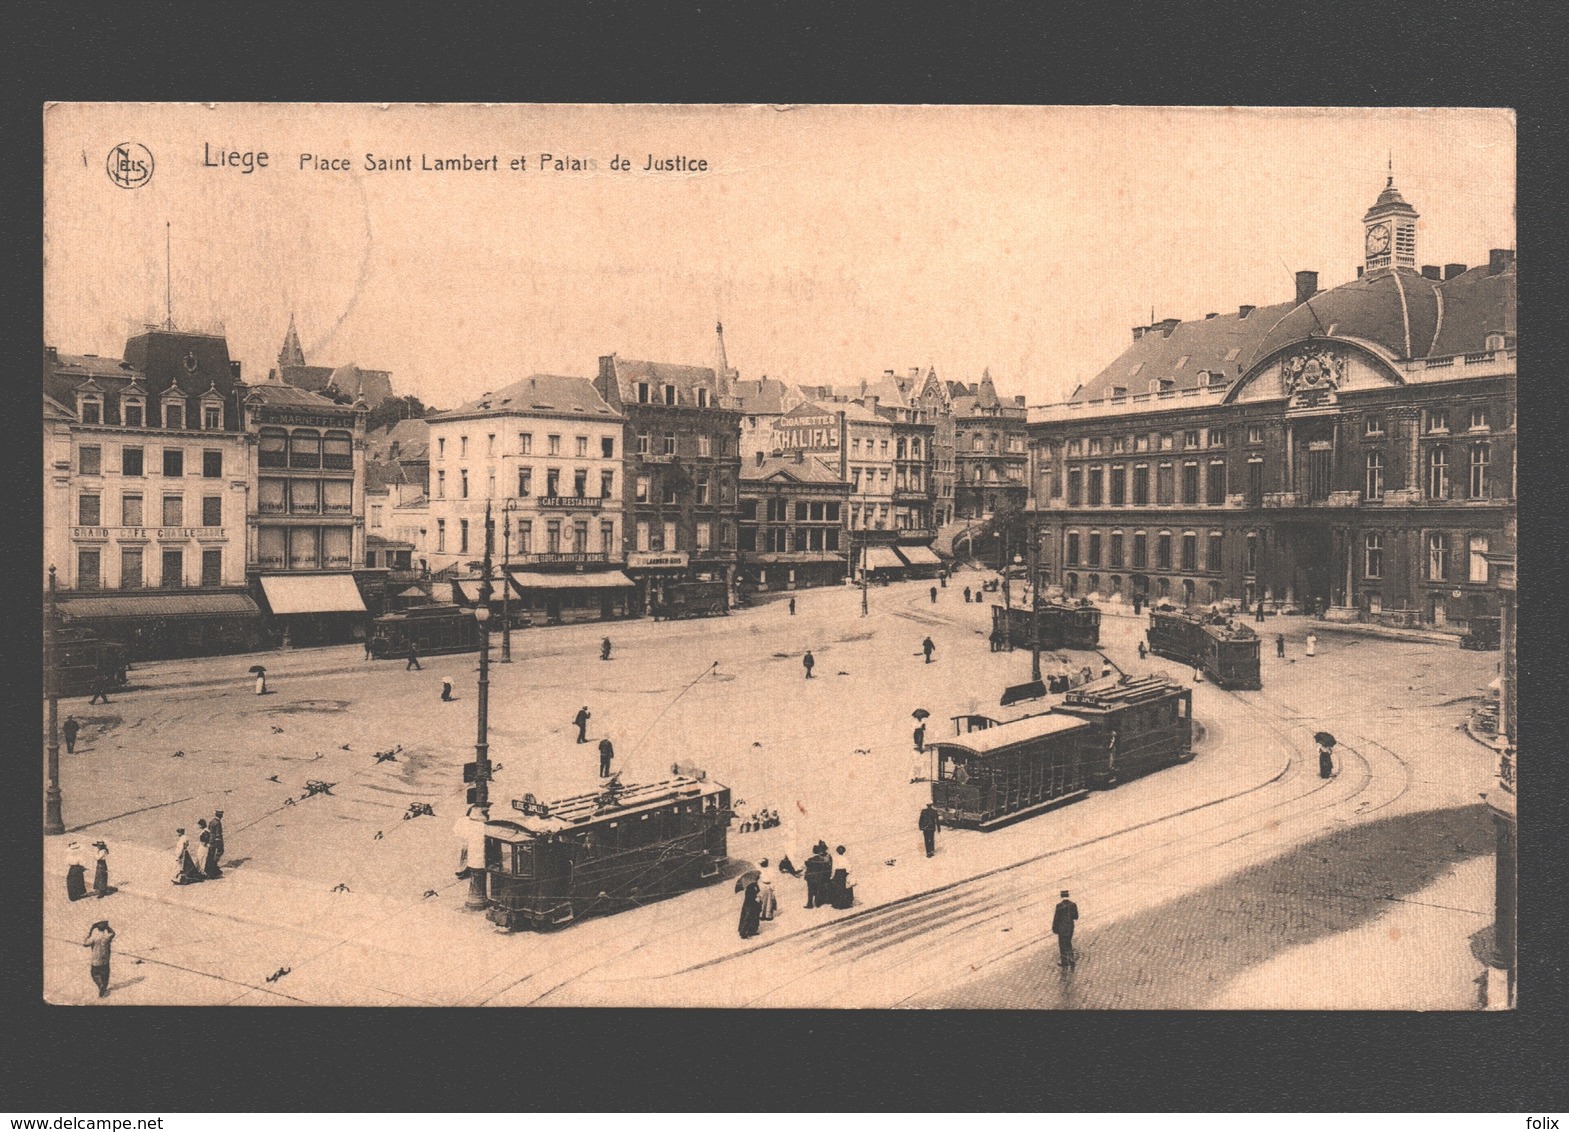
x=833 y=753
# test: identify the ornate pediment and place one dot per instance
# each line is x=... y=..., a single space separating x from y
x=1311 y=376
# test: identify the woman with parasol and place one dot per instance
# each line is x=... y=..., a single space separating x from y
x=1326 y=747
x=751 y=905
x=261 y=679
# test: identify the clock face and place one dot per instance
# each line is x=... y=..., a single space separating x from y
x=1378 y=239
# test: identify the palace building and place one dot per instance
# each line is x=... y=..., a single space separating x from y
x=1349 y=452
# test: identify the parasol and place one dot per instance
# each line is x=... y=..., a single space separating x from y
x=1323 y=739
x=751 y=876
x=921 y=713
x=258 y=669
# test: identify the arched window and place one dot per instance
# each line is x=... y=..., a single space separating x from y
x=1071 y=584
x=1187 y=591
x=273 y=449
x=1163 y=587
x=1214 y=592
x=1094 y=583
x=1116 y=583
x=305 y=448
x=1438 y=472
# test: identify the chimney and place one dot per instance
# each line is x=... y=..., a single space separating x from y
x=1498 y=260
x=915 y=373
x=886 y=373
x=1360 y=269
x=1212 y=314
x=52 y=352
x=1167 y=325
x=1453 y=269
x=1018 y=399
x=1138 y=332
x=1245 y=309
x=759 y=459
x=1431 y=271
x=234 y=370
x=1307 y=286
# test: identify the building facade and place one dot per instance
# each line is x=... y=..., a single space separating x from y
x=791 y=526
x=146 y=483
x=930 y=397
x=546 y=454
x=1349 y=452
x=682 y=476
x=991 y=451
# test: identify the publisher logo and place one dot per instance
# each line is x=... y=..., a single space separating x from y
x=130 y=165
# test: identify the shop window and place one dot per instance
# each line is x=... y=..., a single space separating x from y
x=304 y=497
x=337 y=451
x=304 y=548
x=337 y=497
x=304 y=449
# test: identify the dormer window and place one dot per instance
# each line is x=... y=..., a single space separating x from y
x=642 y=392
x=90 y=407
x=212 y=415
x=670 y=394
x=702 y=398
x=132 y=411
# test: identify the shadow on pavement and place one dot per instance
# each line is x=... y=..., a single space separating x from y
x=1181 y=955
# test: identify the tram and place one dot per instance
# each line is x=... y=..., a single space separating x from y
x=693 y=599
x=558 y=861
x=992 y=774
x=1061 y=626
x=82 y=658
x=1226 y=651
x=431 y=629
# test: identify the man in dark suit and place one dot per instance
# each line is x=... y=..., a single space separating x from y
x=606 y=753
x=928 y=826
x=818 y=870
x=581 y=719
x=1062 y=922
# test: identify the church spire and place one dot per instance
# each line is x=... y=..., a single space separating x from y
x=291 y=354
x=722 y=371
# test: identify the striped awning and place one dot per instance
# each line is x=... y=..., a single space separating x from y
x=123 y=605
x=918 y=555
x=603 y=580
x=882 y=558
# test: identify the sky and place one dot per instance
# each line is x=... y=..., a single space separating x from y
x=834 y=242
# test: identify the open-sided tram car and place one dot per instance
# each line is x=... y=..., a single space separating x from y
x=554 y=862
x=995 y=773
x=82 y=657
x=693 y=599
x=1061 y=626
x=431 y=629
x=1226 y=651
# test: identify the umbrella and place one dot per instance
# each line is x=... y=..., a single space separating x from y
x=258 y=669
x=920 y=713
x=751 y=876
x=1323 y=739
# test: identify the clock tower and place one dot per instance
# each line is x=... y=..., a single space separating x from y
x=1389 y=231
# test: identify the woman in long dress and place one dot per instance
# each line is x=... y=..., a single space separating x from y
x=751 y=912
x=101 y=871
x=75 y=873
x=185 y=868
x=768 y=903
x=208 y=858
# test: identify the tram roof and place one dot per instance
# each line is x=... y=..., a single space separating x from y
x=583 y=811
x=1005 y=736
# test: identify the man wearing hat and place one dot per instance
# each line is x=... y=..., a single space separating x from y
x=1062 y=927
x=215 y=827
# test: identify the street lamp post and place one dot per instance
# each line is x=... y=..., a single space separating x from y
x=53 y=822
x=863 y=579
x=1035 y=604
x=477 y=895
x=506 y=581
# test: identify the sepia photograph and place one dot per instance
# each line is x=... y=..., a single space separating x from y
x=779 y=556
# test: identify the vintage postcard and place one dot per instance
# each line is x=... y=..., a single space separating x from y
x=779 y=556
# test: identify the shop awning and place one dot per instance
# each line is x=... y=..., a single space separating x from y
x=312 y=593
x=159 y=605
x=468 y=589
x=918 y=555
x=412 y=592
x=882 y=558
x=604 y=580
x=794 y=557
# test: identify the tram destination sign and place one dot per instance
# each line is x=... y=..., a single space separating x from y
x=528 y=804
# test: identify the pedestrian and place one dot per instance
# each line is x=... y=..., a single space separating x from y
x=792 y=607
x=604 y=649
x=928 y=648
x=1062 y=922
x=205 y=860
x=1143 y=650
x=446 y=689
x=581 y=719
x=841 y=891
x=934 y=595
x=1198 y=676
x=1138 y=604
x=1326 y=761
x=69 y=729
x=100 y=937
x=215 y=827
x=1280 y=644
x=101 y=871
x=367 y=647
x=751 y=910
x=1258 y=611
x=261 y=681
x=1105 y=668
x=920 y=737
x=606 y=753
x=966 y=594
x=768 y=902
x=927 y=823
x=100 y=689
x=1312 y=643
x=75 y=872
x=818 y=870
x=807 y=662
x=413 y=663
x=185 y=868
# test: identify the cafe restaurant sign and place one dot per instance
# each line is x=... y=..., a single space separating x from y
x=818 y=431
x=643 y=560
x=164 y=533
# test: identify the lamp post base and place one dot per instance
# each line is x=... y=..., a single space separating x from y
x=477 y=900
x=54 y=824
